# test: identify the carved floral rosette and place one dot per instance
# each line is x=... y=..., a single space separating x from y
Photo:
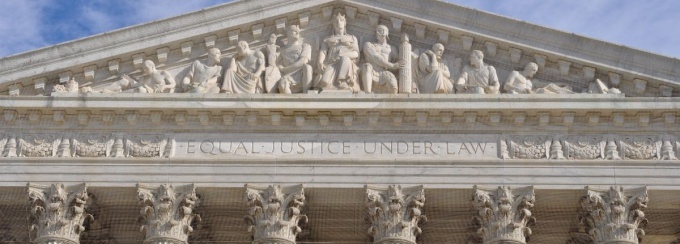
x=394 y=213
x=167 y=213
x=614 y=215
x=503 y=215
x=58 y=212
x=275 y=213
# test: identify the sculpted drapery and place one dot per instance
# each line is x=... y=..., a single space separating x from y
x=339 y=67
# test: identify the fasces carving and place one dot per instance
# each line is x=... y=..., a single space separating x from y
x=152 y=80
x=381 y=60
x=614 y=215
x=337 y=60
x=478 y=77
x=275 y=213
x=295 y=72
x=668 y=148
x=243 y=74
x=204 y=78
x=503 y=215
x=58 y=213
x=520 y=82
x=167 y=213
x=432 y=75
x=395 y=213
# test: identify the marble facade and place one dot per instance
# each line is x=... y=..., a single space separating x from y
x=347 y=122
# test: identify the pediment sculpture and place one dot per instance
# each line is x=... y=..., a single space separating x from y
x=345 y=61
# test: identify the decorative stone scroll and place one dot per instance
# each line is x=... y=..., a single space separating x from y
x=503 y=214
x=275 y=213
x=167 y=213
x=395 y=213
x=614 y=215
x=58 y=212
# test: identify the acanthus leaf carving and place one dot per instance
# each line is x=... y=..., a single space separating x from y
x=167 y=213
x=395 y=213
x=275 y=213
x=503 y=215
x=614 y=215
x=58 y=212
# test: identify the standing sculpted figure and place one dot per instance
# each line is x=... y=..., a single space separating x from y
x=153 y=81
x=338 y=56
x=520 y=82
x=243 y=75
x=296 y=73
x=203 y=78
x=432 y=75
x=478 y=77
x=377 y=74
x=271 y=73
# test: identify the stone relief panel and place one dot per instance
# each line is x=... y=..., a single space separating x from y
x=614 y=215
x=343 y=61
x=87 y=145
x=583 y=147
x=167 y=213
x=275 y=213
x=503 y=214
x=640 y=147
x=526 y=147
x=58 y=212
x=395 y=213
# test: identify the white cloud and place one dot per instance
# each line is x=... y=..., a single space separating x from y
x=20 y=25
x=647 y=25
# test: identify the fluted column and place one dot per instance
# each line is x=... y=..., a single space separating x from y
x=167 y=213
x=275 y=213
x=503 y=214
x=58 y=212
x=395 y=213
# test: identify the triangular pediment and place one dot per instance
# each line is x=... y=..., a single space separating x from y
x=174 y=43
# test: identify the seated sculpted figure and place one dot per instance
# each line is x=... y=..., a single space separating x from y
x=203 y=78
x=478 y=77
x=296 y=74
x=153 y=81
x=338 y=56
x=377 y=74
x=431 y=74
x=243 y=75
x=520 y=82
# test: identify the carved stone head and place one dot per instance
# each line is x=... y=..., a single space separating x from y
x=243 y=48
x=530 y=70
x=214 y=55
x=382 y=32
x=339 y=21
x=293 y=32
x=272 y=39
x=148 y=67
x=476 y=58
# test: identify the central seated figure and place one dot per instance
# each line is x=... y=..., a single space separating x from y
x=337 y=59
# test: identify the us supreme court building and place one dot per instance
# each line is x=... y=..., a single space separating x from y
x=339 y=121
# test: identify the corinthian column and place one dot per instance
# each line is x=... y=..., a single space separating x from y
x=274 y=213
x=167 y=213
x=503 y=214
x=395 y=213
x=58 y=212
x=614 y=215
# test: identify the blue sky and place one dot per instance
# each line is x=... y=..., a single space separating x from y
x=651 y=25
